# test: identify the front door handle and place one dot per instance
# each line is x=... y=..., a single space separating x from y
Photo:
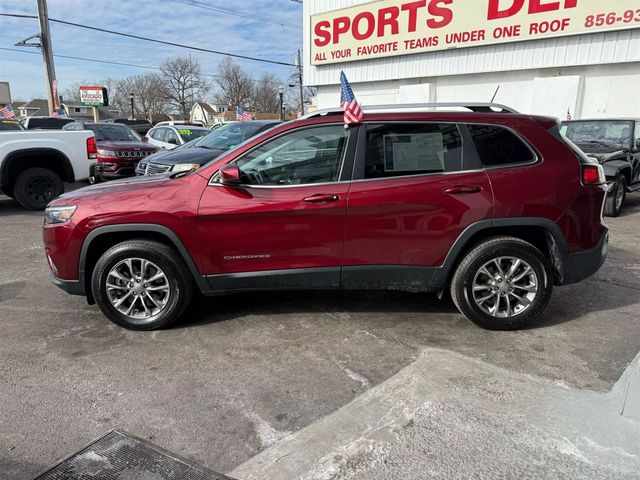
x=463 y=189
x=322 y=198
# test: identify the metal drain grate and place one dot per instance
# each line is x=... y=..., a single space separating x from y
x=118 y=456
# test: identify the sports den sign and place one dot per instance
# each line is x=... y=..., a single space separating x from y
x=94 y=97
x=386 y=28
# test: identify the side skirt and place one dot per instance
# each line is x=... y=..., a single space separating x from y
x=379 y=277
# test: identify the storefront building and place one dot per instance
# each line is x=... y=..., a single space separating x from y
x=550 y=57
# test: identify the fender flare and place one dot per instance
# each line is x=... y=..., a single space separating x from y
x=33 y=152
x=613 y=168
x=554 y=236
x=141 y=227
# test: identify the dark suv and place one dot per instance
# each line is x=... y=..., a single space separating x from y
x=493 y=205
x=615 y=143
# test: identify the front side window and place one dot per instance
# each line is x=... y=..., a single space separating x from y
x=497 y=146
x=312 y=155
x=412 y=149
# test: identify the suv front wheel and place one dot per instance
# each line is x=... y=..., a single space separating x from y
x=141 y=285
x=504 y=283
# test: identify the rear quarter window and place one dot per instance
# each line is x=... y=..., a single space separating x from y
x=498 y=146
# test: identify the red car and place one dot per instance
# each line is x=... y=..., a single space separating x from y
x=495 y=206
x=119 y=150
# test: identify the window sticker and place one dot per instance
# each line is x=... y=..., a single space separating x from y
x=414 y=152
x=184 y=132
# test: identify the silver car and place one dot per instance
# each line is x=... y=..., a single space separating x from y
x=168 y=137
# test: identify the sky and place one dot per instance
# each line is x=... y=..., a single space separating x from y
x=268 y=29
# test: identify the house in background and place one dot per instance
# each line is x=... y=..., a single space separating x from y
x=211 y=113
x=37 y=107
x=85 y=114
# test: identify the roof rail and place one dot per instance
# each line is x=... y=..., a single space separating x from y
x=473 y=107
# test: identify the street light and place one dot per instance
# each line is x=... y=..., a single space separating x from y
x=281 y=90
x=131 y=95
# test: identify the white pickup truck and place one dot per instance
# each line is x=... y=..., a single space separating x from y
x=34 y=164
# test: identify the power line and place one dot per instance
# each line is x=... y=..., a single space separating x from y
x=237 y=13
x=100 y=61
x=147 y=39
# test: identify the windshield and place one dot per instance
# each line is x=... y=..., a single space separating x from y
x=114 y=133
x=10 y=125
x=229 y=135
x=187 y=134
x=599 y=135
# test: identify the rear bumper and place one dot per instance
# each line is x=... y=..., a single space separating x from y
x=73 y=287
x=581 y=265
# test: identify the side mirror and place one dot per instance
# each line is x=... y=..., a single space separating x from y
x=172 y=141
x=230 y=175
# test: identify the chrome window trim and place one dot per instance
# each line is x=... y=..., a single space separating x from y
x=213 y=182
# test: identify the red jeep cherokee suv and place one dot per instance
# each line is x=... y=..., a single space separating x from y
x=496 y=206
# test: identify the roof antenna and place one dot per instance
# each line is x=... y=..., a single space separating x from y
x=495 y=94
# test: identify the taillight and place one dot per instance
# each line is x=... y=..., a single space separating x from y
x=592 y=175
x=92 y=150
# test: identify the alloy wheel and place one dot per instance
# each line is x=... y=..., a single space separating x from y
x=505 y=287
x=138 y=288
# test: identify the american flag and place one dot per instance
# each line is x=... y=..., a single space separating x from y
x=352 y=112
x=569 y=116
x=241 y=115
x=7 y=112
x=60 y=113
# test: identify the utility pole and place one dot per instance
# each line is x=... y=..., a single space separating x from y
x=299 y=65
x=47 y=53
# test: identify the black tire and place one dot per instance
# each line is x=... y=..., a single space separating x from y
x=36 y=187
x=485 y=252
x=616 y=197
x=178 y=276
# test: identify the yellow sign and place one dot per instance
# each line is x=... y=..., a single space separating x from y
x=386 y=28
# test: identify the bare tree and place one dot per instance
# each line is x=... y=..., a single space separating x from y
x=182 y=82
x=266 y=97
x=235 y=86
x=148 y=94
x=72 y=93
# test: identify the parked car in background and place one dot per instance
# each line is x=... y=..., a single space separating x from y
x=171 y=136
x=34 y=164
x=10 y=125
x=119 y=150
x=180 y=122
x=204 y=149
x=140 y=126
x=615 y=144
x=494 y=206
x=45 y=123
x=142 y=164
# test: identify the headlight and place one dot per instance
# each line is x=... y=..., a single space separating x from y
x=183 y=167
x=106 y=153
x=58 y=214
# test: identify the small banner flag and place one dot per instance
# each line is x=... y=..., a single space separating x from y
x=353 y=114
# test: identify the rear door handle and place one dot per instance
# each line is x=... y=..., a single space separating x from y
x=322 y=198
x=463 y=189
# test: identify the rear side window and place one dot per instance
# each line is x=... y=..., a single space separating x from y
x=497 y=146
x=412 y=149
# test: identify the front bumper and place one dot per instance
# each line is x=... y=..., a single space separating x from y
x=582 y=264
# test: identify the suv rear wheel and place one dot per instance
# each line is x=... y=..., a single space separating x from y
x=141 y=285
x=36 y=187
x=504 y=283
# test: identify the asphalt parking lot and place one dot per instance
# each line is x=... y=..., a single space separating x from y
x=245 y=372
